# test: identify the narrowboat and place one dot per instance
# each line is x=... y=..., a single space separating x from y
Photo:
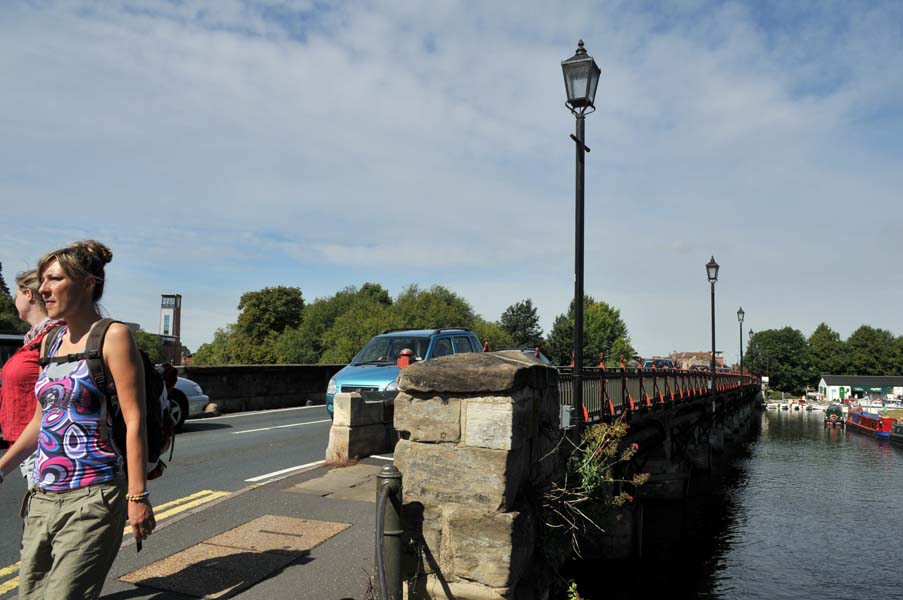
x=834 y=416
x=869 y=423
x=896 y=434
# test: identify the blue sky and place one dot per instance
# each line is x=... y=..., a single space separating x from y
x=225 y=146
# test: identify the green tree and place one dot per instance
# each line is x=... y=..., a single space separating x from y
x=782 y=355
x=307 y=343
x=603 y=327
x=870 y=351
x=151 y=344
x=897 y=356
x=9 y=316
x=270 y=310
x=433 y=308
x=494 y=333
x=4 y=289
x=826 y=354
x=521 y=321
x=218 y=351
x=352 y=329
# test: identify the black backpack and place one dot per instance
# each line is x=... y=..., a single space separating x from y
x=157 y=414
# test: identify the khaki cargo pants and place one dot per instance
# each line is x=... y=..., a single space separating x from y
x=70 y=541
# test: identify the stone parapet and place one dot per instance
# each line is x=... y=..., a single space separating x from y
x=359 y=429
x=236 y=388
x=478 y=434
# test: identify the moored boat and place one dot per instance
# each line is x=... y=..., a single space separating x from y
x=834 y=416
x=896 y=434
x=869 y=423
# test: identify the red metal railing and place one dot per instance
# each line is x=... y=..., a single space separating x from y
x=608 y=392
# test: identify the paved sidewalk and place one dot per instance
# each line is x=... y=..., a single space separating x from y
x=309 y=536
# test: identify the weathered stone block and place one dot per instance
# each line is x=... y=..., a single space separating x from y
x=476 y=372
x=491 y=548
x=430 y=587
x=424 y=525
x=498 y=422
x=347 y=443
x=431 y=419
x=350 y=410
x=439 y=473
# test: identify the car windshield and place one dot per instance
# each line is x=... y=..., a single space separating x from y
x=384 y=350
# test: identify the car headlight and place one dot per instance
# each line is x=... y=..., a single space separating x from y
x=330 y=387
x=392 y=387
x=198 y=390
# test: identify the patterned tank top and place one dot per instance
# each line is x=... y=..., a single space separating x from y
x=74 y=448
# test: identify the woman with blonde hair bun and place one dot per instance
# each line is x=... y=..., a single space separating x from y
x=20 y=372
x=83 y=491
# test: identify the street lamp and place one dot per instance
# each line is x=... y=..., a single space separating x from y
x=581 y=77
x=740 y=315
x=749 y=333
x=711 y=268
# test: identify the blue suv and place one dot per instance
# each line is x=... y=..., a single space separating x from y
x=375 y=369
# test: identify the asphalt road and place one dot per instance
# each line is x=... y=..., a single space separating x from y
x=213 y=458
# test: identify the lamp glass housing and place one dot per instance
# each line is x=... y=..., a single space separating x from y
x=581 y=78
x=711 y=268
x=740 y=314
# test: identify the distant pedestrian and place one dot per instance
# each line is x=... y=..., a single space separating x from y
x=83 y=491
x=20 y=372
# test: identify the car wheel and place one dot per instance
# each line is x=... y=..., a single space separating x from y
x=179 y=408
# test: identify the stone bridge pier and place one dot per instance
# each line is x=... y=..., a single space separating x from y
x=677 y=446
x=479 y=436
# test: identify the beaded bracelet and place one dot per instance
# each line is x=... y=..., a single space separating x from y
x=137 y=497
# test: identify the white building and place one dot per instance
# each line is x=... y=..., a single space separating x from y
x=837 y=388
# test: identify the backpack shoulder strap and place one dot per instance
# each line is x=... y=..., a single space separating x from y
x=49 y=339
x=94 y=353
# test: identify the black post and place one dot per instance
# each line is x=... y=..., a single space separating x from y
x=389 y=532
x=712 y=383
x=741 y=352
x=578 y=283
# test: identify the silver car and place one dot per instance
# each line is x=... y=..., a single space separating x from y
x=187 y=400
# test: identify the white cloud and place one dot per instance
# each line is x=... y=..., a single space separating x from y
x=223 y=146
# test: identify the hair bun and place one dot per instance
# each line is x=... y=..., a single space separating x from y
x=95 y=249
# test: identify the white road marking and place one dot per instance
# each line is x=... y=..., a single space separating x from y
x=284 y=471
x=252 y=413
x=282 y=426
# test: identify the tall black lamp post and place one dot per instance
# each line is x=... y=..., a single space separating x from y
x=740 y=315
x=581 y=77
x=711 y=268
x=749 y=333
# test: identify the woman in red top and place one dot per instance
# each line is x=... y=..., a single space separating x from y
x=19 y=374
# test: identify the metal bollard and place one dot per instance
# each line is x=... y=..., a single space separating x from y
x=389 y=531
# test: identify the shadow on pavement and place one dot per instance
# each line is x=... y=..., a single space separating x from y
x=220 y=576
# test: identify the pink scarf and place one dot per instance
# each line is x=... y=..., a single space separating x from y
x=37 y=331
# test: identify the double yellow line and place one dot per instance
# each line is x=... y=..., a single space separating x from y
x=7 y=586
x=161 y=512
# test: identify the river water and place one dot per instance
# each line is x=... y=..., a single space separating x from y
x=799 y=512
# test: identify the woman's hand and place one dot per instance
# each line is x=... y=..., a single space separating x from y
x=141 y=518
